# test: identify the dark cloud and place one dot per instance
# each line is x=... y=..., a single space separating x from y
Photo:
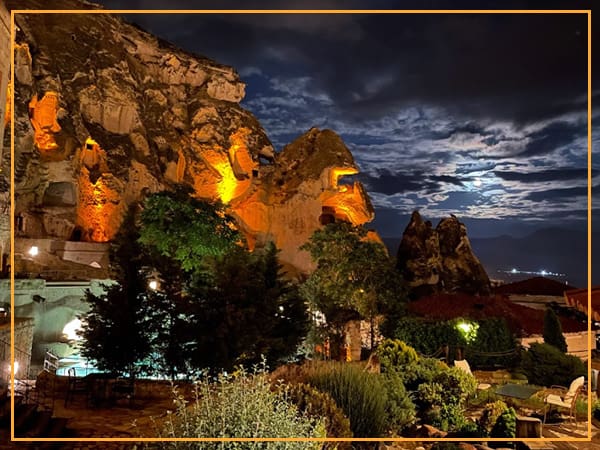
x=387 y=182
x=554 y=136
x=558 y=194
x=522 y=67
x=547 y=175
x=475 y=167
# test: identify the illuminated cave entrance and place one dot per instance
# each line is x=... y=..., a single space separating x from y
x=75 y=361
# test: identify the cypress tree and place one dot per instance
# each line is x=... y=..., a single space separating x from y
x=553 y=334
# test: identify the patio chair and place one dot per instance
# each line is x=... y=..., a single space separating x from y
x=463 y=365
x=568 y=401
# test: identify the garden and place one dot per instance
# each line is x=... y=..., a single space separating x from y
x=244 y=345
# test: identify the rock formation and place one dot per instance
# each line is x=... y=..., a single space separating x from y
x=106 y=113
x=440 y=260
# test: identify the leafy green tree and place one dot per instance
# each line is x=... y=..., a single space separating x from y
x=552 y=332
x=116 y=331
x=354 y=279
x=244 y=311
x=188 y=230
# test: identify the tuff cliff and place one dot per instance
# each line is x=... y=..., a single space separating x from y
x=440 y=260
x=106 y=113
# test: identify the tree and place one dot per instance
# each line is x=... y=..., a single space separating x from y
x=116 y=331
x=552 y=333
x=355 y=278
x=245 y=310
x=188 y=230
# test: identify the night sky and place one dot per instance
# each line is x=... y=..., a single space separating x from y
x=478 y=115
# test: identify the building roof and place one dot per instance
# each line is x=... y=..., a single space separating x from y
x=534 y=286
x=578 y=298
x=523 y=321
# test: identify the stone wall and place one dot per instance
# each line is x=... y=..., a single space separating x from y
x=4 y=65
x=23 y=334
x=4 y=175
x=50 y=305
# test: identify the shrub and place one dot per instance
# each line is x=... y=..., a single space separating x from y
x=239 y=406
x=400 y=408
x=493 y=336
x=596 y=410
x=546 y=365
x=490 y=415
x=320 y=404
x=426 y=336
x=506 y=425
x=416 y=374
x=394 y=353
x=361 y=395
x=442 y=400
x=470 y=429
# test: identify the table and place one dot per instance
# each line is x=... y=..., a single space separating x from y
x=519 y=391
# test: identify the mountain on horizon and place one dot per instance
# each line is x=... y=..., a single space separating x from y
x=553 y=249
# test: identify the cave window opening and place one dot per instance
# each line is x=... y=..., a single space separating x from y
x=89 y=146
x=76 y=235
x=19 y=223
x=327 y=215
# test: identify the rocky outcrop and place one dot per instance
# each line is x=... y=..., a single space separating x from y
x=106 y=113
x=440 y=260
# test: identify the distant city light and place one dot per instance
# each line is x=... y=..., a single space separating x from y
x=33 y=251
x=542 y=272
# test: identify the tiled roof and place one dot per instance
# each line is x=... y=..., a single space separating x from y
x=522 y=320
x=535 y=286
x=578 y=298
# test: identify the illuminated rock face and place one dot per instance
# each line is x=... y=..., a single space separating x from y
x=43 y=119
x=441 y=259
x=140 y=116
x=293 y=195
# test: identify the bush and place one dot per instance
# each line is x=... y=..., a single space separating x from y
x=239 y=406
x=394 y=354
x=361 y=395
x=506 y=425
x=427 y=336
x=546 y=365
x=441 y=401
x=490 y=415
x=471 y=429
x=423 y=372
x=596 y=410
x=493 y=336
x=320 y=404
x=400 y=408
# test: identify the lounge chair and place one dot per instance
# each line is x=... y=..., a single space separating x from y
x=568 y=401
